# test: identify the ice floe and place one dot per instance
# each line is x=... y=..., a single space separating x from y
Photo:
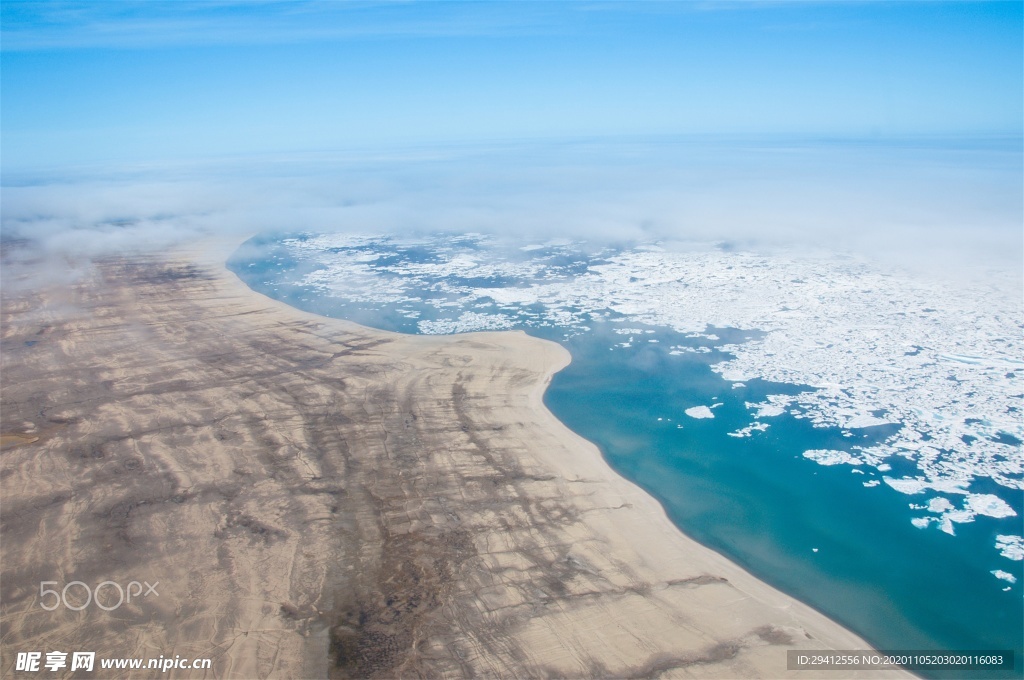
x=1011 y=547
x=989 y=504
x=1004 y=575
x=749 y=430
x=830 y=457
x=699 y=412
x=914 y=486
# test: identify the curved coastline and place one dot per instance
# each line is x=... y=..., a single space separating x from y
x=320 y=499
x=664 y=547
x=831 y=539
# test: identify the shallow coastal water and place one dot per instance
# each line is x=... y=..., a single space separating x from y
x=814 y=531
x=740 y=465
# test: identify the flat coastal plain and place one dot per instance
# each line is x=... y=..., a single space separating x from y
x=317 y=499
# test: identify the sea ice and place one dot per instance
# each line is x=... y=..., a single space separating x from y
x=939 y=505
x=990 y=505
x=467 y=321
x=1004 y=575
x=911 y=486
x=1011 y=547
x=775 y=405
x=749 y=430
x=862 y=420
x=830 y=457
x=939 y=362
x=699 y=412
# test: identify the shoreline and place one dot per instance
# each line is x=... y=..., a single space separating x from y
x=377 y=504
x=591 y=452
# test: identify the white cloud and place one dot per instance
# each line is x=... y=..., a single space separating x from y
x=925 y=214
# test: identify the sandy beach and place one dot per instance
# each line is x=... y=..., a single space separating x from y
x=317 y=499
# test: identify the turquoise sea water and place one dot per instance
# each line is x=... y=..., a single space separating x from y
x=758 y=501
x=814 y=531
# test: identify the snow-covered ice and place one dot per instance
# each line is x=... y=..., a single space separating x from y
x=1011 y=547
x=1005 y=576
x=699 y=412
x=830 y=457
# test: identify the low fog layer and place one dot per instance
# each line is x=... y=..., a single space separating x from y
x=944 y=209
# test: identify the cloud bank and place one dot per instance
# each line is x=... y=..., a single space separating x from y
x=944 y=208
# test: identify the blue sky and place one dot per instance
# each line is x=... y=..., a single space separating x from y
x=148 y=81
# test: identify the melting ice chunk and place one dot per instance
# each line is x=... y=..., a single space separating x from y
x=939 y=505
x=1011 y=547
x=699 y=412
x=1004 y=575
x=990 y=505
x=909 y=485
x=830 y=457
x=862 y=420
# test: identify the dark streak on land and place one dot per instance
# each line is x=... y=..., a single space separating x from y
x=317 y=499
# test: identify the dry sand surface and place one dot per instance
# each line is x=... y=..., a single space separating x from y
x=316 y=499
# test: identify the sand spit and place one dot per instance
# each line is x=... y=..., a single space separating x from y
x=317 y=499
